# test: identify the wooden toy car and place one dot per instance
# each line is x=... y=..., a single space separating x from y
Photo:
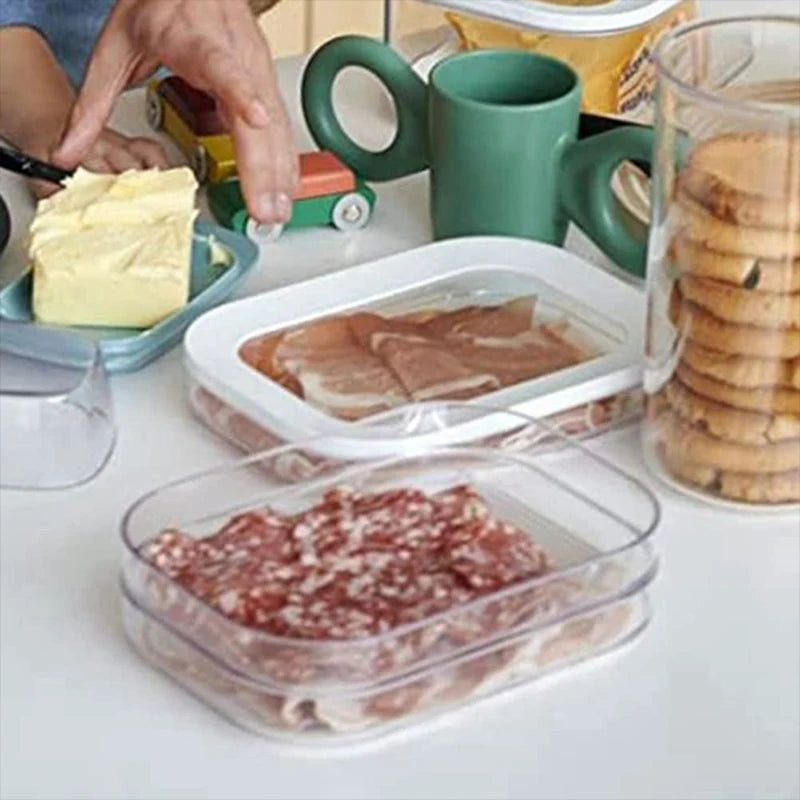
x=328 y=194
x=190 y=118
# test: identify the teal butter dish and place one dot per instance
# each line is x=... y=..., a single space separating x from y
x=220 y=260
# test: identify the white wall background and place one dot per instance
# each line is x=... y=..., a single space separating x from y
x=730 y=8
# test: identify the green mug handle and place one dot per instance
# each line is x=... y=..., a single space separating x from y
x=587 y=168
x=408 y=152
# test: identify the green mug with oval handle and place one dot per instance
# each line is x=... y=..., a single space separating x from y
x=498 y=130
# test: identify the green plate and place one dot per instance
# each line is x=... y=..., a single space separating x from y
x=128 y=349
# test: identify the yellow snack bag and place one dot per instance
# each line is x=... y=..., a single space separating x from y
x=616 y=70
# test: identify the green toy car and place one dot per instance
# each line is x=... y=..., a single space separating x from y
x=329 y=194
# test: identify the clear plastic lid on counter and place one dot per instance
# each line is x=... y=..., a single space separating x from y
x=56 y=421
x=574 y=17
x=511 y=323
x=380 y=592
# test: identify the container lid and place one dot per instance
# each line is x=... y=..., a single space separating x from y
x=601 y=17
x=56 y=422
x=476 y=268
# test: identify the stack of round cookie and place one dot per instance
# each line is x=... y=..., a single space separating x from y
x=728 y=421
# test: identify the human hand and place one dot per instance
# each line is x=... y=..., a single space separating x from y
x=111 y=152
x=34 y=111
x=217 y=46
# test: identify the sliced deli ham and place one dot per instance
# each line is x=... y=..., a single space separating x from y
x=518 y=358
x=498 y=322
x=335 y=374
x=430 y=371
x=351 y=385
x=424 y=365
x=363 y=363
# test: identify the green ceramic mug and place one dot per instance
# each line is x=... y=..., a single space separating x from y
x=498 y=130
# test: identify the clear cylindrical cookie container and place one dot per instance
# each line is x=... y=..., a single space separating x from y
x=722 y=366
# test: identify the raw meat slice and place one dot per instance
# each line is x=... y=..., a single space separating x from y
x=429 y=371
x=370 y=329
x=487 y=342
x=259 y=353
x=506 y=335
x=423 y=365
x=352 y=385
x=363 y=363
x=355 y=565
x=268 y=353
x=496 y=322
x=335 y=374
x=525 y=356
x=444 y=322
x=324 y=337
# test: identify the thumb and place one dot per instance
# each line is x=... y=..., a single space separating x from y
x=112 y=62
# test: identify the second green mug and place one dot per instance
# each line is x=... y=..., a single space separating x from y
x=498 y=129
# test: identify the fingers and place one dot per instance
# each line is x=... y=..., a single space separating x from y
x=267 y=167
x=231 y=61
x=113 y=152
x=42 y=189
x=215 y=46
x=96 y=161
x=265 y=153
x=120 y=159
x=240 y=97
x=120 y=152
x=113 y=61
x=148 y=152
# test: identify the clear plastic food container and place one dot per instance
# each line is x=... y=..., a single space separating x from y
x=56 y=421
x=722 y=368
x=582 y=422
x=607 y=42
x=535 y=289
x=592 y=520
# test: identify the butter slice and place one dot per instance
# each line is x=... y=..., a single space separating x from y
x=114 y=250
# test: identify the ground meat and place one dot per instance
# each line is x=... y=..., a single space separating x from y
x=354 y=565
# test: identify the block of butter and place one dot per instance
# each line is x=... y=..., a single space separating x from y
x=114 y=250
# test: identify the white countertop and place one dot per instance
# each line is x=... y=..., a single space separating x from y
x=704 y=705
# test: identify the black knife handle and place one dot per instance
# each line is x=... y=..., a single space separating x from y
x=30 y=167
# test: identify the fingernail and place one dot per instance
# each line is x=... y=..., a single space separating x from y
x=283 y=207
x=264 y=210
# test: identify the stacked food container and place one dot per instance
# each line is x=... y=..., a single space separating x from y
x=406 y=541
x=511 y=322
x=354 y=626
